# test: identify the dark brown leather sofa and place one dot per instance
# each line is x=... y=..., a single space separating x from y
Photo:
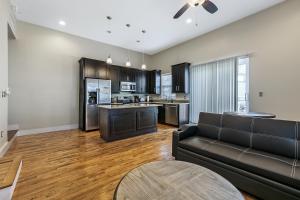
x=259 y=156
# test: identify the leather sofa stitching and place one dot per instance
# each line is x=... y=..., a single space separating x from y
x=293 y=168
x=240 y=156
x=296 y=141
x=297 y=137
x=270 y=157
x=220 y=128
x=272 y=136
x=229 y=146
x=219 y=134
x=252 y=130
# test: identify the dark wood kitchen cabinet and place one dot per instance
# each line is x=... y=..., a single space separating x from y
x=180 y=78
x=113 y=73
x=127 y=74
x=93 y=68
x=141 y=82
x=127 y=122
x=154 y=81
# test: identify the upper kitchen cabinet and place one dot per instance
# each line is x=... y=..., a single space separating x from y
x=93 y=68
x=113 y=73
x=127 y=74
x=141 y=82
x=154 y=81
x=180 y=78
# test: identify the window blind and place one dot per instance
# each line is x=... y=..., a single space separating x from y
x=212 y=88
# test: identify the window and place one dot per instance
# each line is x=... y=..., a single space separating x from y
x=242 y=84
x=166 y=86
x=220 y=86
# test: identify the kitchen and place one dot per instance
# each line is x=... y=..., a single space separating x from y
x=122 y=102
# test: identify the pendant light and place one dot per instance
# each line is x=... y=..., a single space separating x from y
x=128 y=63
x=144 y=66
x=109 y=59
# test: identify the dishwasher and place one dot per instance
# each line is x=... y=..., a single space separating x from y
x=171 y=115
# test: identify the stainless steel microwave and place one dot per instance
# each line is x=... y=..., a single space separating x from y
x=128 y=86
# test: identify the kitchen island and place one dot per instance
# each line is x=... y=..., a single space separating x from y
x=123 y=121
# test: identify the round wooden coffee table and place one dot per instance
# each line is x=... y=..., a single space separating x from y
x=174 y=180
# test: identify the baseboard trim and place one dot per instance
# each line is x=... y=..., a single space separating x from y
x=13 y=127
x=6 y=146
x=47 y=130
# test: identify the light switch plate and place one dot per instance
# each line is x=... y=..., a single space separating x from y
x=260 y=94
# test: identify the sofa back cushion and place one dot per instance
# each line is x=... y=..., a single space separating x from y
x=236 y=130
x=209 y=125
x=276 y=136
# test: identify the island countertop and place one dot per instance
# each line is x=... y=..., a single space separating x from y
x=133 y=105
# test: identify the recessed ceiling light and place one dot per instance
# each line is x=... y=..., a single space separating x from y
x=108 y=31
x=189 y=20
x=138 y=41
x=128 y=25
x=62 y=23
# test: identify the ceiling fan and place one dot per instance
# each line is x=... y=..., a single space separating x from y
x=206 y=4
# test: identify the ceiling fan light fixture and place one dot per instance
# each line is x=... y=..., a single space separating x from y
x=62 y=23
x=189 y=20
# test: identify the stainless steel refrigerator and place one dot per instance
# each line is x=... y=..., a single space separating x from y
x=98 y=91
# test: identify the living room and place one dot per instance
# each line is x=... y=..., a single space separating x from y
x=182 y=99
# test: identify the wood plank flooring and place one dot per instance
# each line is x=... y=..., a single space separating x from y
x=79 y=165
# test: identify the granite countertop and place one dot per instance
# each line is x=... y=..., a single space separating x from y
x=169 y=103
x=133 y=105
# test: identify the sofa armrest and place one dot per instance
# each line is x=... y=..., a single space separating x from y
x=185 y=132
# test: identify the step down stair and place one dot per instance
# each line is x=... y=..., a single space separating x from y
x=10 y=168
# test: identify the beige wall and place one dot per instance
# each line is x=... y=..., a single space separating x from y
x=43 y=68
x=273 y=36
x=4 y=10
x=44 y=75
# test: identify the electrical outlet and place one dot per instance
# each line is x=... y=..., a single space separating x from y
x=2 y=134
x=260 y=94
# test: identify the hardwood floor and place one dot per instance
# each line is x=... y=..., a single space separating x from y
x=79 y=165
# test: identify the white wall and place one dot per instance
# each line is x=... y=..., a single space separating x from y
x=4 y=13
x=44 y=75
x=273 y=36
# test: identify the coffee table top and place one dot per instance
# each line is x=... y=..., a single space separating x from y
x=175 y=180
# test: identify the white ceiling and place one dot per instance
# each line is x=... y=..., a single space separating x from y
x=87 y=18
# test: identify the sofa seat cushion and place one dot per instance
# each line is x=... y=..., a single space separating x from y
x=278 y=168
x=224 y=152
x=195 y=143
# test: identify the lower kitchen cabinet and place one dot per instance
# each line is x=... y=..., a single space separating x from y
x=127 y=122
x=146 y=119
x=161 y=114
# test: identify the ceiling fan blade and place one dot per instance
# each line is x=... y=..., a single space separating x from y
x=210 y=6
x=182 y=10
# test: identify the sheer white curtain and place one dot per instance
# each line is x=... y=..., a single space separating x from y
x=212 y=88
